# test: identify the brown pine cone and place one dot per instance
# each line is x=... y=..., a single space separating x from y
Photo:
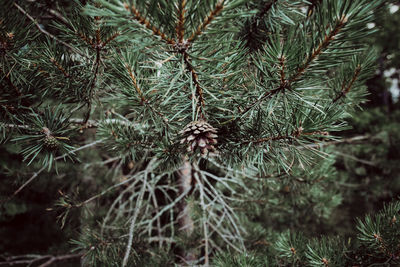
x=199 y=134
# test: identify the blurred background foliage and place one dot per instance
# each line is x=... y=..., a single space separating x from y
x=370 y=167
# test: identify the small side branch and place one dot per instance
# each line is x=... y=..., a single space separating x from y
x=36 y=174
x=40 y=28
x=296 y=134
x=180 y=30
x=195 y=78
x=59 y=67
x=321 y=47
x=142 y=20
x=28 y=260
x=135 y=84
x=282 y=61
x=200 y=29
x=10 y=83
x=346 y=89
x=301 y=70
x=265 y=96
x=33 y=177
x=111 y=38
x=93 y=83
x=143 y=100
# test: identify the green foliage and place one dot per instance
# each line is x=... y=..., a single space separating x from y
x=276 y=79
x=380 y=233
x=245 y=260
x=45 y=134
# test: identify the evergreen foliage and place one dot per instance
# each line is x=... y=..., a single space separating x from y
x=211 y=120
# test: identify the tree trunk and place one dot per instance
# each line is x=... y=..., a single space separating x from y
x=186 y=224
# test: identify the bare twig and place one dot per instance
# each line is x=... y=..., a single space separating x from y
x=134 y=217
x=28 y=260
x=79 y=148
x=36 y=174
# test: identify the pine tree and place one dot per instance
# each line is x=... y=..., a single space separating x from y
x=212 y=116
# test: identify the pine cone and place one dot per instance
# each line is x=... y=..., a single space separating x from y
x=199 y=134
x=51 y=142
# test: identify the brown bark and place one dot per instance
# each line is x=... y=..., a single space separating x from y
x=186 y=223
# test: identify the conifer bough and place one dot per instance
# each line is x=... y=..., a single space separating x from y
x=160 y=80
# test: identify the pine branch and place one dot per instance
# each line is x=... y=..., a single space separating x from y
x=87 y=40
x=301 y=70
x=297 y=134
x=282 y=61
x=135 y=84
x=321 y=47
x=111 y=38
x=50 y=259
x=144 y=101
x=142 y=20
x=207 y=20
x=59 y=67
x=195 y=78
x=10 y=83
x=180 y=30
x=93 y=83
x=265 y=96
x=346 y=89
x=264 y=11
x=42 y=30
x=36 y=174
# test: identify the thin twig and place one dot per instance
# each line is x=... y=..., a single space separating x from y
x=180 y=29
x=36 y=174
x=111 y=38
x=144 y=101
x=133 y=220
x=321 y=47
x=298 y=133
x=134 y=83
x=16 y=260
x=351 y=140
x=207 y=20
x=301 y=70
x=61 y=258
x=93 y=83
x=142 y=20
x=59 y=67
x=79 y=148
x=42 y=30
x=195 y=78
x=350 y=85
